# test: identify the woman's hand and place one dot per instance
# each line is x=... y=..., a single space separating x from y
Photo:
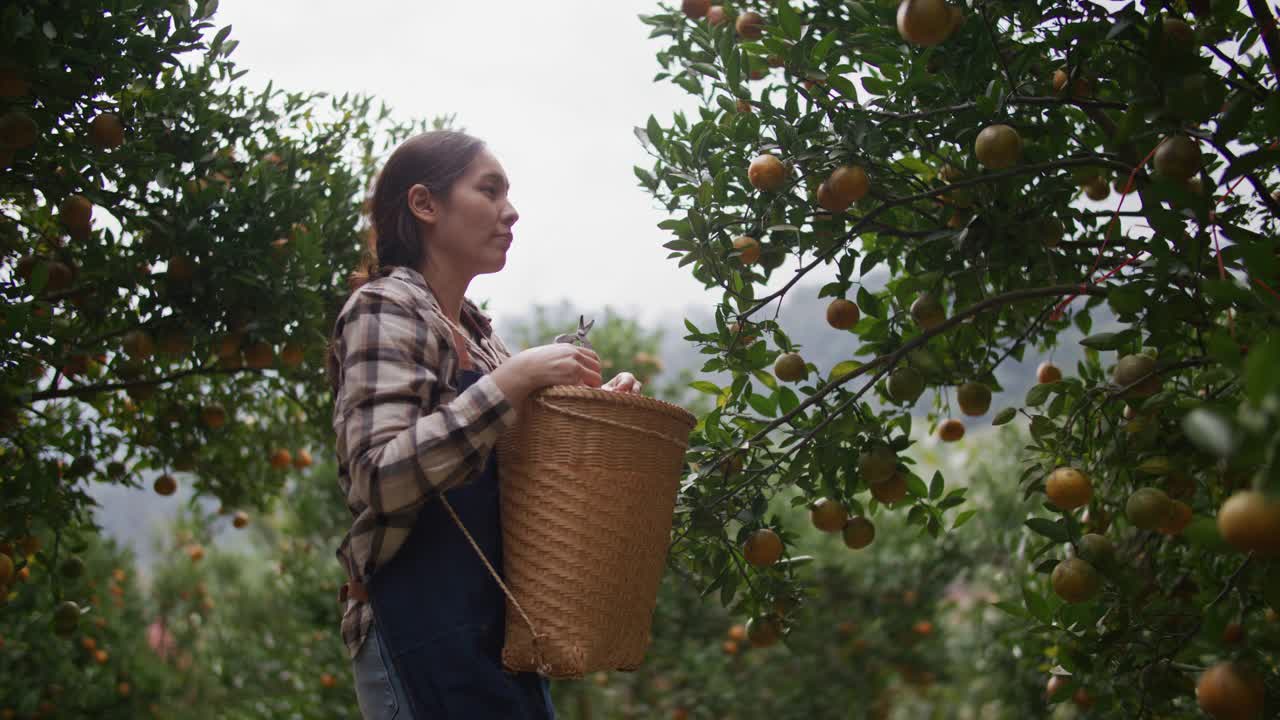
x=539 y=367
x=623 y=382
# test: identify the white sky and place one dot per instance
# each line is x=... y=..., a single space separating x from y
x=554 y=88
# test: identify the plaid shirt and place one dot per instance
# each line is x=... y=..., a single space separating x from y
x=404 y=433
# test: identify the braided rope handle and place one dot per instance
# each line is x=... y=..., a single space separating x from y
x=682 y=444
x=543 y=667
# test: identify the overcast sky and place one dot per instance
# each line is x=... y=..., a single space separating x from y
x=555 y=88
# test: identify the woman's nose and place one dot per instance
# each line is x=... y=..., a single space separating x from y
x=510 y=215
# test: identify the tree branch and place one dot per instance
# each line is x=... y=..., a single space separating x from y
x=1267 y=28
x=893 y=357
x=85 y=390
x=868 y=218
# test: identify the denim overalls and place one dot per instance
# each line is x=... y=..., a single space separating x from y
x=440 y=615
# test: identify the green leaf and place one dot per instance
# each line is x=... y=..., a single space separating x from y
x=1038 y=394
x=787 y=400
x=1004 y=416
x=963 y=518
x=709 y=388
x=869 y=303
x=1048 y=528
x=844 y=368
x=1260 y=370
x=1211 y=432
x=936 y=485
x=916 y=487
x=767 y=406
x=1010 y=608
x=1037 y=606
x=1108 y=340
x=789 y=19
x=1203 y=533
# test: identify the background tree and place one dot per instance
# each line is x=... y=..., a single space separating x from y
x=1012 y=168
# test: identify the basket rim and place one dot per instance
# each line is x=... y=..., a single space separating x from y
x=619 y=398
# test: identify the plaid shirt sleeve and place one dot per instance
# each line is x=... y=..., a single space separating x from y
x=402 y=448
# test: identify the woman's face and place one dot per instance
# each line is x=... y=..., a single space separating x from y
x=471 y=231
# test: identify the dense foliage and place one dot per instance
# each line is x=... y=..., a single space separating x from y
x=1011 y=167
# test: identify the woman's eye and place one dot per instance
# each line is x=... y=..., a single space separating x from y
x=489 y=191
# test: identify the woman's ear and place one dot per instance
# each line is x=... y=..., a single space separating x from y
x=423 y=205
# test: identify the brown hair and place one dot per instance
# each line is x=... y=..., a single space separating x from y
x=433 y=159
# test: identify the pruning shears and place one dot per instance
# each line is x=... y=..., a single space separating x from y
x=578 y=337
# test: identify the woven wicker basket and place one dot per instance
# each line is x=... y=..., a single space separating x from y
x=589 y=481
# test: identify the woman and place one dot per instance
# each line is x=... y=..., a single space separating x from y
x=422 y=388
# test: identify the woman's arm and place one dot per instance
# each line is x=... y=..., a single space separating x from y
x=398 y=456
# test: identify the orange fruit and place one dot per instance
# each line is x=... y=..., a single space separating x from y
x=17 y=130
x=101 y=656
x=1229 y=691
x=1068 y=488
x=66 y=617
x=729 y=647
x=891 y=490
x=877 y=464
x=858 y=533
x=763 y=632
x=845 y=186
x=767 y=173
x=749 y=25
x=1232 y=634
x=165 y=485
x=241 y=519
x=748 y=248
x=76 y=214
x=138 y=344
x=1096 y=189
x=843 y=314
x=927 y=311
x=744 y=106
x=905 y=385
x=974 y=398
x=998 y=146
x=1148 y=508
x=1079 y=88
x=923 y=628
x=1055 y=685
x=925 y=22
x=302 y=458
x=737 y=632
x=195 y=552
x=1250 y=522
x=1177 y=157
x=292 y=354
x=88 y=643
x=213 y=416
x=6 y=570
x=260 y=355
x=828 y=515
x=950 y=430
x=106 y=131
x=1179 y=518
x=12 y=83
x=762 y=548
x=790 y=367
x=281 y=459
x=1097 y=549
x=1075 y=580
x=123 y=689
x=328 y=680
x=1048 y=373
x=181 y=269
x=1132 y=368
x=695 y=8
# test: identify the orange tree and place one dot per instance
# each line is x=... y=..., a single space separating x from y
x=974 y=182
x=173 y=248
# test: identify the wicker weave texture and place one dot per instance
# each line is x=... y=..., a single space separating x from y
x=589 y=482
